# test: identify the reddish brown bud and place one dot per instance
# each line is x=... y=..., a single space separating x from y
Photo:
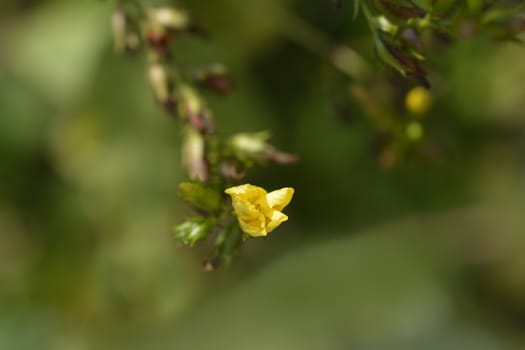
x=410 y=65
x=160 y=40
x=194 y=110
x=403 y=12
x=219 y=83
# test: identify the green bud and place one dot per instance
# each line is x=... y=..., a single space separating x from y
x=253 y=147
x=385 y=25
x=193 y=230
x=250 y=147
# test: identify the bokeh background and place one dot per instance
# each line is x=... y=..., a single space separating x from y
x=427 y=255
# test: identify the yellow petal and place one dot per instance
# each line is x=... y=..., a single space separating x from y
x=254 y=228
x=275 y=220
x=244 y=209
x=280 y=198
x=244 y=194
x=247 y=192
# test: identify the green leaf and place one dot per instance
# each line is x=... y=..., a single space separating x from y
x=200 y=195
x=387 y=58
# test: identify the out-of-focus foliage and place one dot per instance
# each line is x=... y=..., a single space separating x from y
x=427 y=254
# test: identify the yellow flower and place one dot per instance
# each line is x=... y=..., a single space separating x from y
x=259 y=212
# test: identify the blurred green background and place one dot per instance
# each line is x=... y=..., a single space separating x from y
x=428 y=255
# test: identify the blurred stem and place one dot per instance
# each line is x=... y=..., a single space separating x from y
x=304 y=34
x=342 y=57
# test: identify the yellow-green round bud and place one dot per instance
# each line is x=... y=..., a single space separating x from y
x=418 y=101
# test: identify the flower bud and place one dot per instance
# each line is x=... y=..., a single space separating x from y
x=194 y=156
x=169 y=18
x=193 y=230
x=401 y=60
x=193 y=109
x=126 y=38
x=418 y=101
x=216 y=79
x=211 y=264
x=160 y=40
x=162 y=85
x=252 y=147
x=414 y=131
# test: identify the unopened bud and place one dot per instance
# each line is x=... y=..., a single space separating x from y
x=193 y=230
x=160 y=40
x=169 y=18
x=414 y=131
x=216 y=79
x=162 y=85
x=211 y=264
x=402 y=61
x=194 y=156
x=253 y=147
x=418 y=101
x=250 y=146
x=194 y=110
x=125 y=36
